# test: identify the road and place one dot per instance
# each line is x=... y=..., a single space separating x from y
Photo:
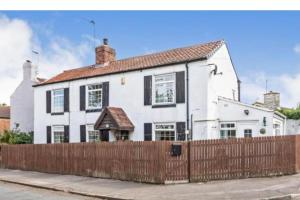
x=10 y=191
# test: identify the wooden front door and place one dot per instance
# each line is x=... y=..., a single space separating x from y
x=104 y=135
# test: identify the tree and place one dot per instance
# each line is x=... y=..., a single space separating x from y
x=291 y=113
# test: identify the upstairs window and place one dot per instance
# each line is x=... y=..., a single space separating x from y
x=58 y=134
x=58 y=101
x=93 y=135
x=164 y=132
x=164 y=89
x=227 y=130
x=94 y=96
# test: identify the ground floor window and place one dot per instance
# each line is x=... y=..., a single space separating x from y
x=227 y=130
x=122 y=135
x=58 y=134
x=165 y=132
x=93 y=135
x=248 y=133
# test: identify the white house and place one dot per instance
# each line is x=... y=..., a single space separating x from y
x=21 y=101
x=162 y=96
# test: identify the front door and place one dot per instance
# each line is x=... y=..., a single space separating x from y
x=104 y=135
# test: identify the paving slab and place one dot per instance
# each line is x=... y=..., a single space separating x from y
x=252 y=188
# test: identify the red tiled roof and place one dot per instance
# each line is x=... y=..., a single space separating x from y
x=5 y=112
x=201 y=51
x=118 y=115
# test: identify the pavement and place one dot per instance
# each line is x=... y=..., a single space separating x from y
x=10 y=191
x=281 y=187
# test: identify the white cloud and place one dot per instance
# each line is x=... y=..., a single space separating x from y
x=253 y=87
x=17 y=42
x=297 y=49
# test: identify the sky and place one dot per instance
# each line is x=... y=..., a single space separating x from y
x=264 y=45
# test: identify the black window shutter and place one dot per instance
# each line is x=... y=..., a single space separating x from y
x=147 y=90
x=82 y=97
x=66 y=99
x=180 y=87
x=105 y=92
x=66 y=134
x=147 y=131
x=48 y=101
x=180 y=129
x=82 y=133
x=49 y=134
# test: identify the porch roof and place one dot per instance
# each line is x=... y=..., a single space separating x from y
x=114 y=118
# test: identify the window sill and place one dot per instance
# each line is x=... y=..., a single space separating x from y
x=164 y=105
x=93 y=110
x=58 y=113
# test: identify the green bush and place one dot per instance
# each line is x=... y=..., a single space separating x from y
x=291 y=113
x=15 y=137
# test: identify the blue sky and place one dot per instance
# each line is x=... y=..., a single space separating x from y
x=263 y=45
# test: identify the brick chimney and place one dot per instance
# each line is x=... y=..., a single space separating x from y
x=272 y=100
x=104 y=53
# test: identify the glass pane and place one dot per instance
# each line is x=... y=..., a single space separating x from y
x=164 y=91
x=95 y=99
x=58 y=100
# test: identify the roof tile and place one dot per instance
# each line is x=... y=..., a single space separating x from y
x=178 y=55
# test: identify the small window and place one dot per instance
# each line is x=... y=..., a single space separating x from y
x=276 y=129
x=165 y=132
x=93 y=135
x=164 y=89
x=58 y=134
x=227 y=130
x=94 y=96
x=248 y=133
x=58 y=101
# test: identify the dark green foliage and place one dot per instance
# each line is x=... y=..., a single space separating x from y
x=15 y=137
x=291 y=113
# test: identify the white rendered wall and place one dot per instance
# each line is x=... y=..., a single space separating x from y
x=205 y=117
x=234 y=112
x=22 y=101
x=129 y=96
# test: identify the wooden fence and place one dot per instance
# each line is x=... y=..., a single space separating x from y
x=152 y=162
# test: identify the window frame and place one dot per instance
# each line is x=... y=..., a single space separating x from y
x=87 y=96
x=62 y=127
x=154 y=88
x=53 y=110
x=249 y=134
x=88 y=128
x=168 y=124
x=228 y=129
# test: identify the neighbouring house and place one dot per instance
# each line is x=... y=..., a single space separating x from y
x=185 y=93
x=21 y=101
x=4 y=118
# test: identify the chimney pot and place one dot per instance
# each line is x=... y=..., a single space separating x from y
x=105 y=41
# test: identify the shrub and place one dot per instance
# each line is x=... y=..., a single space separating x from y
x=16 y=137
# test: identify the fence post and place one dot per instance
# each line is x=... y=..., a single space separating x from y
x=189 y=160
x=297 y=152
x=243 y=143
